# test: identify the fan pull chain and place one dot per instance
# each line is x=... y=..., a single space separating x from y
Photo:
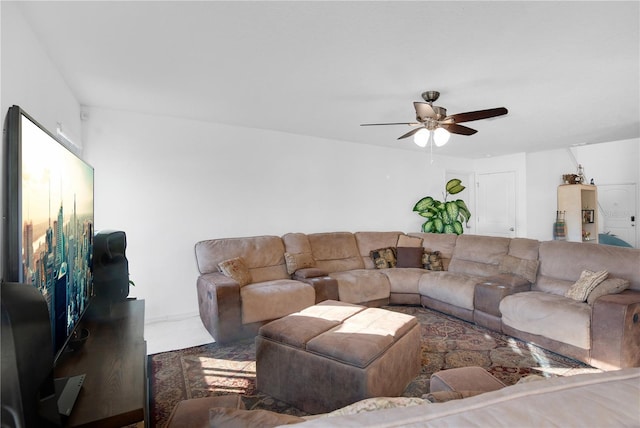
x=431 y=145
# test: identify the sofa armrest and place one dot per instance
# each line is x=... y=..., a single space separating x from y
x=615 y=331
x=489 y=292
x=220 y=306
x=305 y=273
x=326 y=288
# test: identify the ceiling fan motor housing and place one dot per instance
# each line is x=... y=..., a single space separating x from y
x=430 y=96
x=440 y=114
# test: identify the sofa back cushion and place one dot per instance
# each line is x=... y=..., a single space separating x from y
x=263 y=255
x=296 y=243
x=562 y=262
x=522 y=259
x=478 y=255
x=335 y=251
x=442 y=242
x=369 y=241
x=524 y=248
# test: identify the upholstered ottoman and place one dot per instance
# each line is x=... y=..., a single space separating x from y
x=334 y=353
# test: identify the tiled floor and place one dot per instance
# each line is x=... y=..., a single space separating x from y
x=183 y=333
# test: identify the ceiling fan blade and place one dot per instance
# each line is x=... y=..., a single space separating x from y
x=477 y=115
x=458 y=129
x=424 y=110
x=410 y=133
x=392 y=123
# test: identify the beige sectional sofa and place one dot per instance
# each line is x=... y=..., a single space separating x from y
x=513 y=285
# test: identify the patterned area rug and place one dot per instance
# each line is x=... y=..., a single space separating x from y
x=447 y=342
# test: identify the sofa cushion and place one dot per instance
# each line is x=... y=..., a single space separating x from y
x=409 y=241
x=478 y=255
x=551 y=285
x=606 y=287
x=384 y=258
x=362 y=285
x=295 y=261
x=452 y=288
x=237 y=270
x=370 y=241
x=296 y=243
x=335 y=251
x=194 y=412
x=404 y=280
x=263 y=255
x=524 y=248
x=224 y=417
x=442 y=242
x=587 y=282
x=566 y=260
x=265 y=301
x=363 y=337
x=409 y=257
x=550 y=315
x=523 y=268
x=298 y=328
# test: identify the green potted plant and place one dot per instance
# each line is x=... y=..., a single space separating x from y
x=444 y=217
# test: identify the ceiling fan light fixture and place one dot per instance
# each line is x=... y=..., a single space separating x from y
x=441 y=137
x=421 y=138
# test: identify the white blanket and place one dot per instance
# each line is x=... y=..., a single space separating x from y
x=610 y=399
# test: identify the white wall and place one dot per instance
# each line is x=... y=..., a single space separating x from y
x=610 y=163
x=29 y=79
x=170 y=182
x=607 y=163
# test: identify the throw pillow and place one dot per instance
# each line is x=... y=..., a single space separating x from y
x=237 y=269
x=384 y=257
x=409 y=257
x=587 y=282
x=377 y=403
x=527 y=269
x=444 y=396
x=298 y=261
x=409 y=241
x=225 y=417
x=432 y=260
x=608 y=286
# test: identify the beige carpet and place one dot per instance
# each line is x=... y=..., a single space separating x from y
x=447 y=342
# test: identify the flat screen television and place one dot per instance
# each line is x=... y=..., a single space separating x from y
x=48 y=222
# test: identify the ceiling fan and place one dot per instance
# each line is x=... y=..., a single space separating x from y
x=433 y=124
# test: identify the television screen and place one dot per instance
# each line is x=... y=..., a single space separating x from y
x=49 y=227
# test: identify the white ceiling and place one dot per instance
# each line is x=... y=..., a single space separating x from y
x=567 y=71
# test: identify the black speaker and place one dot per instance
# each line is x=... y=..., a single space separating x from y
x=110 y=266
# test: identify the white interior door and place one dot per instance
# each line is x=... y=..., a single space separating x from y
x=496 y=204
x=619 y=210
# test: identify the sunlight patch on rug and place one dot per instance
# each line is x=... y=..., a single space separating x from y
x=214 y=376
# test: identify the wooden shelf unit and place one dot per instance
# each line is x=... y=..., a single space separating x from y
x=115 y=390
x=580 y=205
